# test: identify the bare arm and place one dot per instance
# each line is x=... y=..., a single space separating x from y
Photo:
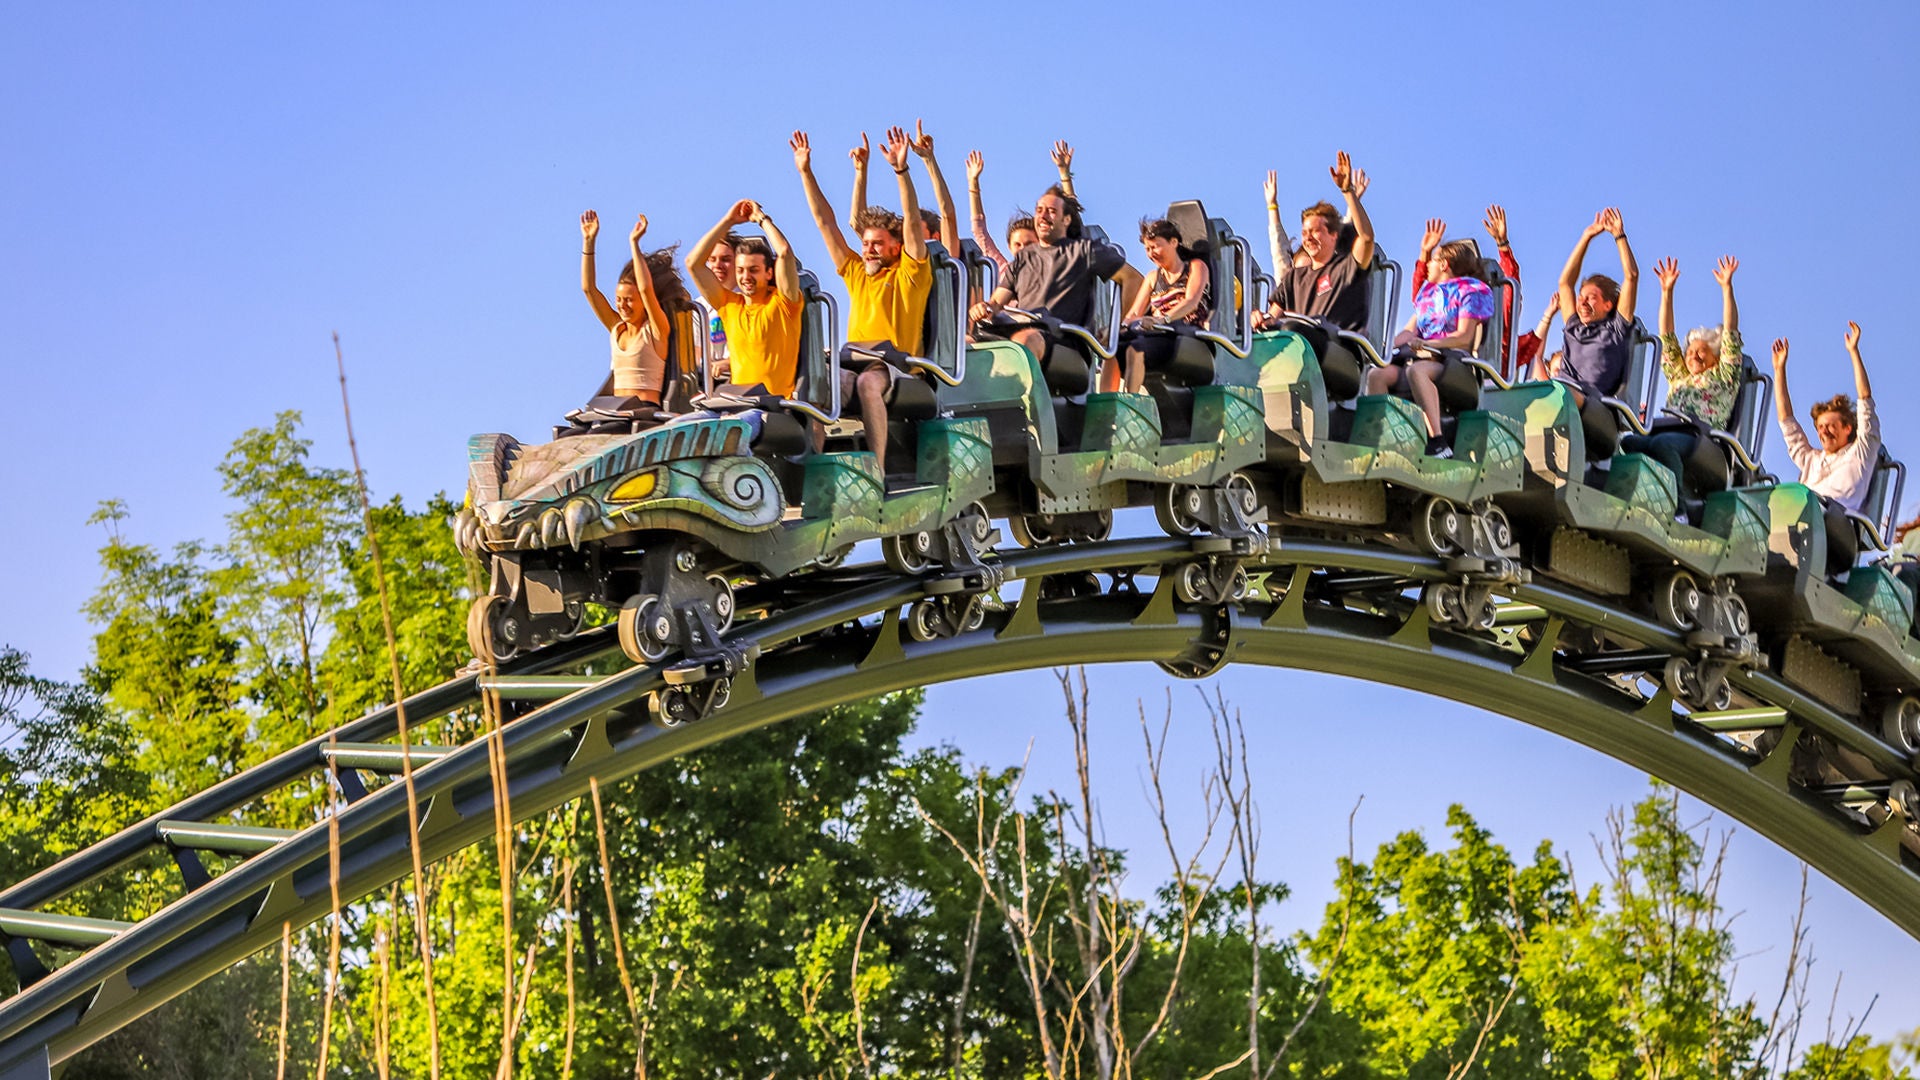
x=1063 y=161
x=1278 y=247
x=817 y=204
x=1729 y=311
x=1343 y=178
x=942 y=198
x=786 y=268
x=1196 y=289
x=643 y=280
x=913 y=237
x=1466 y=328
x=1570 y=274
x=1629 y=269
x=1782 y=401
x=589 y=231
x=1138 y=309
x=859 y=154
x=1668 y=271
x=976 y=164
x=696 y=261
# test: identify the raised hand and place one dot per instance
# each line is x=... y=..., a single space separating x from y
x=1496 y=224
x=1610 y=221
x=1272 y=188
x=1342 y=172
x=802 y=151
x=589 y=226
x=1062 y=155
x=1853 y=337
x=1668 y=271
x=1723 y=273
x=1779 y=356
x=922 y=142
x=859 y=154
x=1436 y=233
x=1360 y=183
x=976 y=164
x=746 y=209
x=1599 y=225
x=896 y=148
x=639 y=230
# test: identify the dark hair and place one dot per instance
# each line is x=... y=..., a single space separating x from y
x=1151 y=227
x=1609 y=288
x=1323 y=210
x=731 y=241
x=756 y=245
x=1075 y=229
x=1462 y=258
x=929 y=221
x=663 y=269
x=1838 y=403
x=1020 y=220
x=875 y=217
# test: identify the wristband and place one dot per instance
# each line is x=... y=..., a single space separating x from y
x=1275 y=207
x=899 y=172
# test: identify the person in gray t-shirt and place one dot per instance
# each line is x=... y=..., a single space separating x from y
x=1599 y=314
x=1055 y=275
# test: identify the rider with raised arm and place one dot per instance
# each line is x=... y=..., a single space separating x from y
x=1495 y=222
x=762 y=319
x=1019 y=230
x=720 y=264
x=1328 y=283
x=637 y=324
x=1448 y=313
x=1055 y=275
x=943 y=226
x=1703 y=378
x=1599 y=314
x=1841 y=468
x=887 y=280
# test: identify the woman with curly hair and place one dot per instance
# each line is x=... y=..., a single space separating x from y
x=1448 y=313
x=1703 y=377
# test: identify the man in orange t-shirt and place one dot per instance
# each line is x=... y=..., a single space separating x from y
x=888 y=281
x=762 y=319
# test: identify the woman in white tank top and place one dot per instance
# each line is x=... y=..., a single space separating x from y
x=637 y=325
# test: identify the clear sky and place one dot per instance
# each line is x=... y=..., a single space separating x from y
x=192 y=198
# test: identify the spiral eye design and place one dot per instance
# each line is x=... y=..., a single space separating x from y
x=741 y=483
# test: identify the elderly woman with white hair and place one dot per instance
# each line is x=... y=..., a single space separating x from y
x=1703 y=376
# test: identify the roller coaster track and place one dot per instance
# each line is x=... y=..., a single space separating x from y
x=1344 y=609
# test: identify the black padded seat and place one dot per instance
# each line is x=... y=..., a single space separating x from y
x=1459 y=381
x=782 y=435
x=1175 y=404
x=908 y=398
x=1067 y=368
x=1188 y=363
x=1843 y=539
x=912 y=398
x=1341 y=368
x=1602 y=428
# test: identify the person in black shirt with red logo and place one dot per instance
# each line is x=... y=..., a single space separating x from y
x=1328 y=284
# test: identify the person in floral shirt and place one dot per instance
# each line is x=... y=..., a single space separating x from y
x=1703 y=378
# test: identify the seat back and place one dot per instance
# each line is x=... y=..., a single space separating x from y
x=1383 y=301
x=943 y=335
x=1104 y=321
x=818 y=384
x=1496 y=343
x=1230 y=268
x=1884 y=491
x=1752 y=404
x=1637 y=386
x=983 y=274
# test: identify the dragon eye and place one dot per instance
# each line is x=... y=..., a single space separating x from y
x=633 y=488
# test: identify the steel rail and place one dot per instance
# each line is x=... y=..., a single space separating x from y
x=829 y=652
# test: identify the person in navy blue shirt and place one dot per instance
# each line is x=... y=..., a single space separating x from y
x=1599 y=310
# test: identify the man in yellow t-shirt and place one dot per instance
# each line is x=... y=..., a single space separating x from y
x=888 y=281
x=762 y=319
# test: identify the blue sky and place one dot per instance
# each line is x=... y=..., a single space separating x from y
x=193 y=198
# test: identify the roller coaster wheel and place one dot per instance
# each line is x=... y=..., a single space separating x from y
x=1031 y=530
x=1904 y=799
x=722 y=600
x=1499 y=529
x=1102 y=526
x=676 y=706
x=1676 y=601
x=1483 y=617
x=646 y=629
x=492 y=631
x=1190 y=584
x=1242 y=584
x=1738 y=616
x=1900 y=725
x=833 y=559
x=718 y=695
x=576 y=612
x=1434 y=526
x=1244 y=498
x=908 y=554
x=1682 y=677
x=1177 y=508
x=925 y=622
x=979 y=524
x=976 y=617
x=1445 y=604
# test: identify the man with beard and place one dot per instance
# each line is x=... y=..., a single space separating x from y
x=1328 y=284
x=1055 y=275
x=762 y=319
x=887 y=280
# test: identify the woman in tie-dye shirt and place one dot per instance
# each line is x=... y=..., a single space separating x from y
x=1448 y=313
